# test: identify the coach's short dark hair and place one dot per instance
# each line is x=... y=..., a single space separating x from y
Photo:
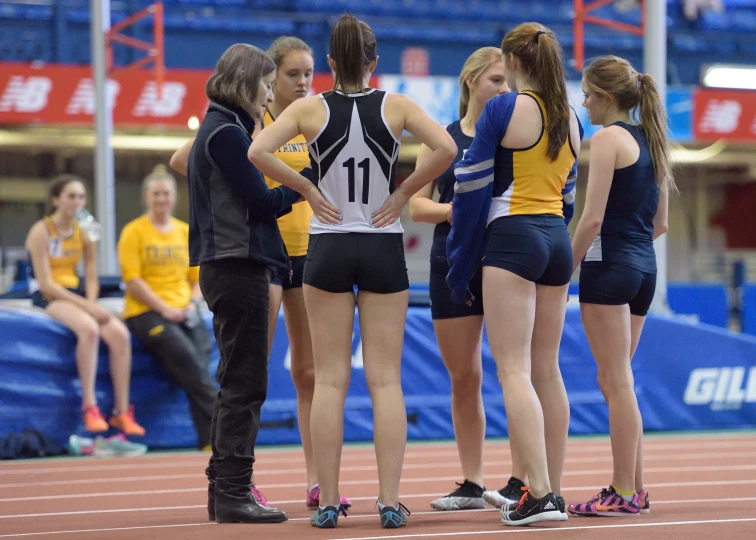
x=237 y=75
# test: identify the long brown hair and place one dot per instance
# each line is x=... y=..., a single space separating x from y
x=616 y=79
x=476 y=64
x=237 y=76
x=56 y=187
x=540 y=56
x=352 y=48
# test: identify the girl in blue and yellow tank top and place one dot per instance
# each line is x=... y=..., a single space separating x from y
x=625 y=211
x=56 y=245
x=507 y=215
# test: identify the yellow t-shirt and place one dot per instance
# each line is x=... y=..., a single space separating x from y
x=294 y=226
x=64 y=254
x=160 y=259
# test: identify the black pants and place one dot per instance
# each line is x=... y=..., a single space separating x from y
x=236 y=291
x=184 y=354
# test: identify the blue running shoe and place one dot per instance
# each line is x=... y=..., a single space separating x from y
x=393 y=518
x=328 y=517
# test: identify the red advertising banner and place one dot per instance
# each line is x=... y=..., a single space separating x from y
x=724 y=114
x=52 y=94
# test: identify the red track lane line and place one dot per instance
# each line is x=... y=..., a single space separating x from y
x=108 y=530
x=512 y=530
x=657 y=485
x=716 y=468
x=438 y=513
x=265 y=471
x=415 y=451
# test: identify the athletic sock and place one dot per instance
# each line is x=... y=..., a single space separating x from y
x=627 y=495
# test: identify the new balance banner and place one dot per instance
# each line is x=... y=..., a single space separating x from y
x=51 y=94
x=724 y=114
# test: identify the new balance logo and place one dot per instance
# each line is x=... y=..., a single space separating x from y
x=721 y=116
x=83 y=100
x=549 y=506
x=721 y=388
x=169 y=103
x=25 y=94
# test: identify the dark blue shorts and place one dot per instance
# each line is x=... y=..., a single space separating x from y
x=441 y=304
x=41 y=301
x=290 y=278
x=534 y=247
x=615 y=285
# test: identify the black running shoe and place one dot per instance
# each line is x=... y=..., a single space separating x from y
x=532 y=510
x=509 y=494
x=468 y=496
x=560 y=504
x=562 y=507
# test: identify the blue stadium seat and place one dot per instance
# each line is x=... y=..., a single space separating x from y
x=436 y=33
x=253 y=25
x=690 y=43
x=30 y=12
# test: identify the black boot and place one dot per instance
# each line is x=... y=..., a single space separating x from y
x=234 y=503
x=210 y=473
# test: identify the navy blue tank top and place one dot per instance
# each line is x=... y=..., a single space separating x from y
x=445 y=182
x=627 y=233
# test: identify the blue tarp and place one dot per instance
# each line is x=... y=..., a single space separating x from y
x=688 y=376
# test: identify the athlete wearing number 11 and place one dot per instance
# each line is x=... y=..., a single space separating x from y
x=353 y=134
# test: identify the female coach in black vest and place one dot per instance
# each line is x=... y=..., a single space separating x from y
x=234 y=239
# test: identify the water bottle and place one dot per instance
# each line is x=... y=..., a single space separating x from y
x=88 y=225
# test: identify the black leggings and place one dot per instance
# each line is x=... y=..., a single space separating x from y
x=184 y=354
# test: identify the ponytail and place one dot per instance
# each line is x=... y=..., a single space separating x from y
x=540 y=55
x=654 y=123
x=352 y=48
x=548 y=74
x=615 y=79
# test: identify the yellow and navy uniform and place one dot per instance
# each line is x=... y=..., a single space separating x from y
x=525 y=181
x=160 y=259
x=64 y=254
x=510 y=205
x=295 y=225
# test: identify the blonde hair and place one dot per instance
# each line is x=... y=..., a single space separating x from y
x=475 y=65
x=615 y=78
x=540 y=55
x=284 y=45
x=160 y=172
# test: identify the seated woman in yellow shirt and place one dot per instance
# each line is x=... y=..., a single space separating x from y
x=56 y=245
x=161 y=297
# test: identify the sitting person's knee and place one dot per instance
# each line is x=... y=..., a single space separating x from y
x=89 y=332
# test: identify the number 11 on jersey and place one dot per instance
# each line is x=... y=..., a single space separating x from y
x=365 y=166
